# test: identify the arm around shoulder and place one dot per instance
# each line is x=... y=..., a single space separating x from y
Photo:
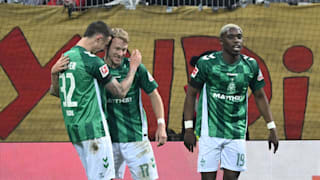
x=121 y=89
x=59 y=66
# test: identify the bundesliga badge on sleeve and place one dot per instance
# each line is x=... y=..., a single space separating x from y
x=104 y=70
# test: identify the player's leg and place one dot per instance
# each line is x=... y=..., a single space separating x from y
x=119 y=163
x=80 y=150
x=233 y=158
x=230 y=175
x=97 y=157
x=209 y=157
x=140 y=160
x=208 y=175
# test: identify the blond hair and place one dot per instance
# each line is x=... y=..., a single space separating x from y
x=120 y=33
x=226 y=28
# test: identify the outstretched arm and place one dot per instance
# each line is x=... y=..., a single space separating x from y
x=188 y=112
x=121 y=89
x=157 y=106
x=263 y=106
x=60 y=65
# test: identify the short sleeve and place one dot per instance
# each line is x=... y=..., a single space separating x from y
x=147 y=82
x=99 y=70
x=199 y=74
x=257 y=81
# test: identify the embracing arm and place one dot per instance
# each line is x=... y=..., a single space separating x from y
x=60 y=65
x=54 y=88
x=121 y=89
x=263 y=106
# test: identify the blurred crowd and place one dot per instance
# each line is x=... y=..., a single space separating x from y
x=229 y=4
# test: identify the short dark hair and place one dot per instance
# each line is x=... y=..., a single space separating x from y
x=98 y=27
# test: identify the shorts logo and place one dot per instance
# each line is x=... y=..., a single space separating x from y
x=104 y=70
x=105 y=162
x=194 y=72
x=202 y=162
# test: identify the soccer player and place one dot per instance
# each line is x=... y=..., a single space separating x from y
x=223 y=78
x=126 y=116
x=81 y=86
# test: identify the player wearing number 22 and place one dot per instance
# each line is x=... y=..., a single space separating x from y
x=223 y=79
x=81 y=87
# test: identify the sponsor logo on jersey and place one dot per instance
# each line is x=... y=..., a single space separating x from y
x=194 y=72
x=260 y=76
x=104 y=70
x=119 y=101
x=150 y=77
x=233 y=98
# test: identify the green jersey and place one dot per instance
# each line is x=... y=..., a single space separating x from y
x=126 y=117
x=222 y=109
x=82 y=103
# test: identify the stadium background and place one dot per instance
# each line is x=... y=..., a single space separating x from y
x=284 y=39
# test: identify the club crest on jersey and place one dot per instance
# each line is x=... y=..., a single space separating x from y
x=150 y=77
x=194 y=72
x=231 y=87
x=104 y=70
x=260 y=76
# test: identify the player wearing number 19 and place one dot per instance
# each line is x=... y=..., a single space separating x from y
x=80 y=78
x=223 y=79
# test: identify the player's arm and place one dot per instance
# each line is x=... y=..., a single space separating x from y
x=263 y=106
x=121 y=89
x=188 y=112
x=157 y=106
x=60 y=65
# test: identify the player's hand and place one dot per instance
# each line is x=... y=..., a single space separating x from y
x=190 y=139
x=135 y=59
x=161 y=134
x=273 y=139
x=60 y=65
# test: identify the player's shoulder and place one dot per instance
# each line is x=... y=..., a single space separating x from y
x=73 y=51
x=250 y=62
x=209 y=58
x=91 y=59
x=248 y=58
x=89 y=55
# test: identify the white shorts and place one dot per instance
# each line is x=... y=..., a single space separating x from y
x=231 y=153
x=97 y=158
x=138 y=156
